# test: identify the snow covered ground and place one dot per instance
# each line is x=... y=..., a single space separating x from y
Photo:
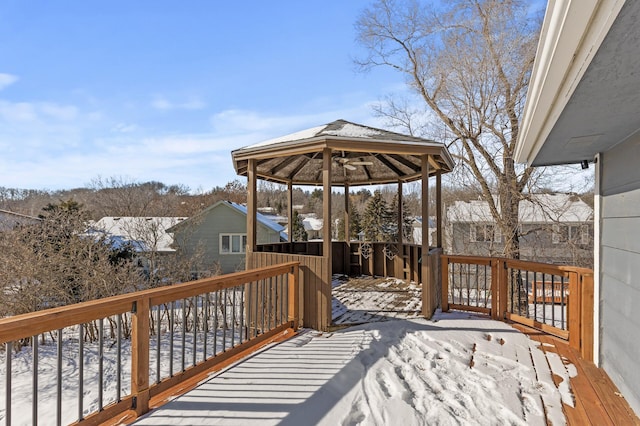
x=457 y=368
x=392 y=368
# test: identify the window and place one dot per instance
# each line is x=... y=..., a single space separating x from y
x=577 y=234
x=485 y=233
x=233 y=243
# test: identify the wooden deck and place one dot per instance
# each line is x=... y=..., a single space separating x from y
x=597 y=400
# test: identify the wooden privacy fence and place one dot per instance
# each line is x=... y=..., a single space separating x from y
x=555 y=299
x=108 y=356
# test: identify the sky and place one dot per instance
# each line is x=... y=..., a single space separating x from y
x=164 y=90
x=160 y=90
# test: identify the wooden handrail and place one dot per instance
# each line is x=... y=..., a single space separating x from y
x=140 y=305
x=34 y=323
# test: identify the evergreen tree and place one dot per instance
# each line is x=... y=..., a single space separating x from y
x=376 y=220
x=297 y=228
x=354 y=224
x=406 y=221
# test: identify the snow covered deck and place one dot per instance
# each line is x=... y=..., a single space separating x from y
x=455 y=368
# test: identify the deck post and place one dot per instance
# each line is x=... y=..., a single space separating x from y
x=427 y=291
x=445 y=283
x=586 y=287
x=495 y=290
x=294 y=287
x=140 y=355
x=573 y=309
x=399 y=261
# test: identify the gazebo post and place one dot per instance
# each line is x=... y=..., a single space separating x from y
x=252 y=211
x=347 y=232
x=439 y=208
x=290 y=211
x=325 y=304
x=427 y=291
x=399 y=260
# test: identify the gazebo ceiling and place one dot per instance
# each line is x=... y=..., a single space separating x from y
x=361 y=155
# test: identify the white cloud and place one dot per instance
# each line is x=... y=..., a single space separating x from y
x=124 y=128
x=54 y=151
x=236 y=121
x=60 y=112
x=17 y=111
x=163 y=104
x=34 y=111
x=7 y=80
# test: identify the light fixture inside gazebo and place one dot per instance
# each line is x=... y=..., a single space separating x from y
x=348 y=164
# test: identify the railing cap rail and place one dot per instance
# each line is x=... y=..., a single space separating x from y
x=34 y=323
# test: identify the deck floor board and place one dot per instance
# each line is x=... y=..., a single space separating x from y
x=597 y=399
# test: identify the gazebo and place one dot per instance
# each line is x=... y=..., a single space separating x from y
x=345 y=154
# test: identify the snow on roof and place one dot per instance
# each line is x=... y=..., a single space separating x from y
x=312 y=223
x=147 y=233
x=342 y=129
x=350 y=130
x=540 y=208
x=276 y=227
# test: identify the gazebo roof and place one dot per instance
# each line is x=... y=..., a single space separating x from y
x=362 y=155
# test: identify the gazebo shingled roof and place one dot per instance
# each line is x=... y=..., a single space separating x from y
x=361 y=155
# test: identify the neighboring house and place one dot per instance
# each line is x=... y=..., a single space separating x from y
x=220 y=231
x=554 y=228
x=416 y=229
x=312 y=225
x=147 y=236
x=583 y=106
x=9 y=220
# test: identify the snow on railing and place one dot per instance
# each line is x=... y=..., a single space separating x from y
x=555 y=299
x=99 y=359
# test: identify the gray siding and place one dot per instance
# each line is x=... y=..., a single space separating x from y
x=536 y=244
x=203 y=233
x=620 y=269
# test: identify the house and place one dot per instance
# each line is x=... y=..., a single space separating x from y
x=416 y=230
x=220 y=231
x=9 y=220
x=554 y=228
x=583 y=107
x=147 y=234
x=312 y=225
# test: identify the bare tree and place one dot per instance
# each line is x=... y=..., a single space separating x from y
x=467 y=63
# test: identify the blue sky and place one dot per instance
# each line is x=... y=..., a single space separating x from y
x=164 y=90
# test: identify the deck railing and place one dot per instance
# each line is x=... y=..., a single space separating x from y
x=556 y=299
x=94 y=361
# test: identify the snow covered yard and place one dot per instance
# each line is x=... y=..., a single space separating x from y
x=457 y=368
